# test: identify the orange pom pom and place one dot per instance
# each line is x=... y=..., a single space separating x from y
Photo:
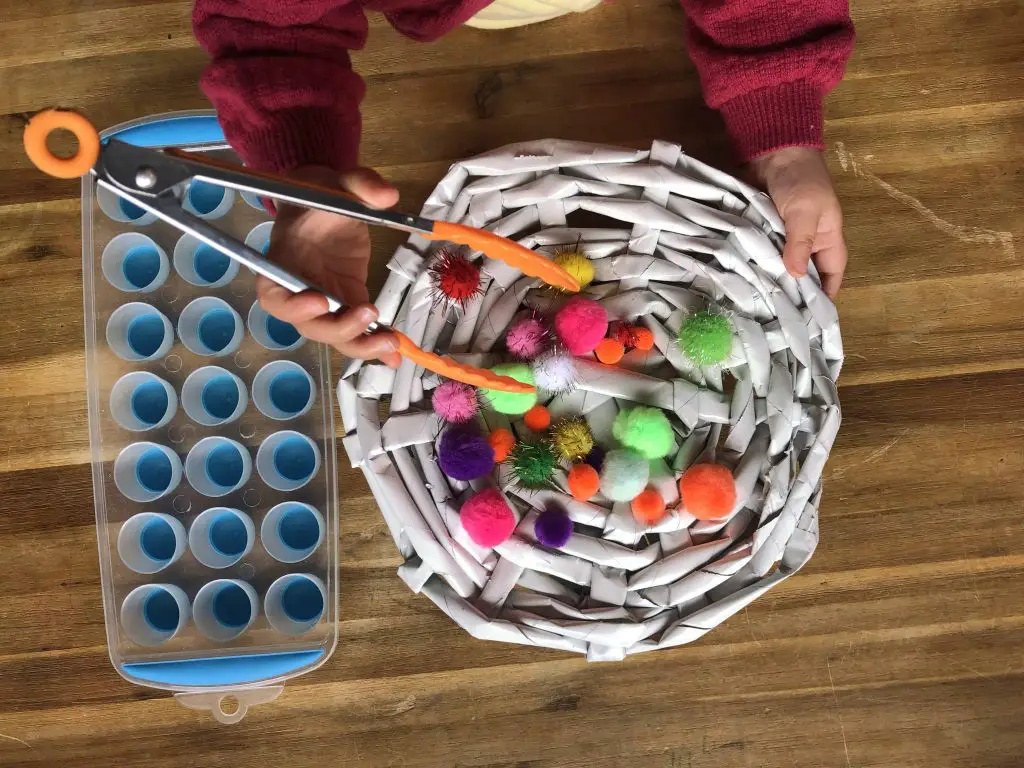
x=583 y=482
x=648 y=507
x=643 y=338
x=537 y=418
x=609 y=351
x=502 y=441
x=708 y=491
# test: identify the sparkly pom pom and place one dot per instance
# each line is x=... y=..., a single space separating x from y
x=554 y=372
x=527 y=338
x=455 y=402
x=706 y=338
x=572 y=439
x=455 y=277
x=533 y=464
x=576 y=263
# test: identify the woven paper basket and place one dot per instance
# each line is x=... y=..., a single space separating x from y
x=668 y=236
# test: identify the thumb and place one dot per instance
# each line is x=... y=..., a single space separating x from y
x=801 y=230
x=370 y=187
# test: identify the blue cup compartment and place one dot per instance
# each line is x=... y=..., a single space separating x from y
x=138 y=332
x=121 y=210
x=295 y=603
x=259 y=237
x=154 y=613
x=213 y=396
x=216 y=466
x=208 y=326
x=150 y=541
x=287 y=460
x=225 y=608
x=269 y=332
x=221 y=536
x=145 y=472
x=292 y=531
x=283 y=390
x=140 y=401
x=134 y=263
x=202 y=265
x=208 y=201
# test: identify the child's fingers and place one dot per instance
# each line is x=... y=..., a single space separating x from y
x=801 y=229
x=339 y=328
x=285 y=305
x=373 y=346
x=369 y=186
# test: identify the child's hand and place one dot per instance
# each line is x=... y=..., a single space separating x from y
x=799 y=183
x=332 y=252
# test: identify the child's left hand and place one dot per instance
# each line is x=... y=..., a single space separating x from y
x=799 y=183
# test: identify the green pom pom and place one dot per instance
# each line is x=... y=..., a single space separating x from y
x=512 y=403
x=706 y=338
x=645 y=430
x=533 y=464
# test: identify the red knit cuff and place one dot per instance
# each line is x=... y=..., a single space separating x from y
x=292 y=138
x=788 y=115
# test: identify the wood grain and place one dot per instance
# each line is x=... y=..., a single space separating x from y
x=899 y=645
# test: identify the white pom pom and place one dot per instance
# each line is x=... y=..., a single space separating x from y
x=624 y=474
x=554 y=372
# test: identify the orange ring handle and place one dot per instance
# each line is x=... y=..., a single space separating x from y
x=50 y=120
x=467 y=374
x=512 y=253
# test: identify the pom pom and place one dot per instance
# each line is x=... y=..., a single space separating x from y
x=595 y=458
x=576 y=263
x=487 y=518
x=454 y=401
x=708 y=491
x=643 y=338
x=455 y=277
x=621 y=333
x=644 y=429
x=533 y=464
x=584 y=482
x=526 y=338
x=463 y=454
x=513 y=403
x=502 y=441
x=537 y=418
x=572 y=439
x=706 y=338
x=553 y=528
x=609 y=351
x=648 y=507
x=624 y=474
x=580 y=324
x=554 y=372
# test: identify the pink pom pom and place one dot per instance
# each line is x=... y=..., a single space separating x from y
x=580 y=324
x=526 y=338
x=487 y=518
x=455 y=402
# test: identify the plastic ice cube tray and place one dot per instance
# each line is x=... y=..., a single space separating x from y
x=213 y=450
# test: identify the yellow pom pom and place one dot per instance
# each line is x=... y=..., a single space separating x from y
x=572 y=439
x=576 y=263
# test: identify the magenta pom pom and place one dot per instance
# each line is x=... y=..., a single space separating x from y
x=580 y=324
x=455 y=402
x=487 y=518
x=553 y=528
x=463 y=454
x=526 y=338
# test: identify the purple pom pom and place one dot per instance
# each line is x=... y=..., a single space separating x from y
x=463 y=454
x=595 y=458
x=553 y=528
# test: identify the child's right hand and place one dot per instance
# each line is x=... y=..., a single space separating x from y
x=332 y=252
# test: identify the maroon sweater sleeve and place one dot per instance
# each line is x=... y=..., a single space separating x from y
x=281 y=79
x=767 y=65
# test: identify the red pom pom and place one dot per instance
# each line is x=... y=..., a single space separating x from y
x=455 y=276
x=708 y=491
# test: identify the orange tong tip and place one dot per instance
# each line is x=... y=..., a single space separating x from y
x=509 y=251
x=467 y=374
x=46 y=122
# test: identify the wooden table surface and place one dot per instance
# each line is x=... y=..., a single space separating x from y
x=902 y=641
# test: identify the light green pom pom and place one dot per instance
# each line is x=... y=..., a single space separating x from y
x=512 y=403
x=706 y=338
x=645 y=430
x=624 y=474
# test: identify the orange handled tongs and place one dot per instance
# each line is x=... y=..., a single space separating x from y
x=156 y=180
